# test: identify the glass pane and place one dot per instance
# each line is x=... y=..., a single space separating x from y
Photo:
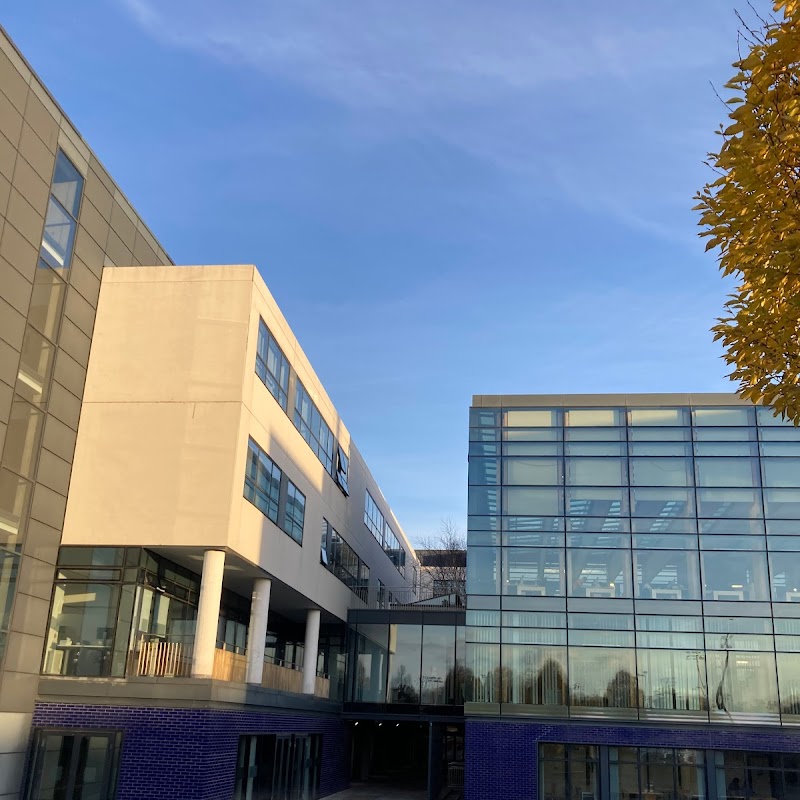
x=673 y=680
x=530 y=418
x=736 y=503
x=536 y=675
x=91 y=772
x=532 y=502
x=484 y=417
x=604 y=678
x=58 y=237
x=782 y=503
x=484 y=500
x=724 y=434
x=371 y=663
x=438 y=664
x=734 y=576
x=608 y=502
x=532 y=435
x=532 y=471
x=789 y=682
x=596 y=472
x=727 y=472
x=35 y=366
x=67 y=185
x=667 y=575
x=785 y=572
x=741 y=682
x=22 y=438
x=483 y=570
x=592 y=417
x=660 y=434
x=658 y=416
x=661 y=472
x=532 y=449
x=738 y=415
x=662 y=503
x=533 y=571
x=83 y=617
x=484 y=471
x=47 y=299
x=553 y=776
x=725 y=449
x=732 y=542
x=14 y=494
x=681 y=449
x=596 y=448
x=767 y=416
x=405 y=654
x=780 y=472
x=599 y=573
x=52 y=771
x=9 y=569
x=483 y=673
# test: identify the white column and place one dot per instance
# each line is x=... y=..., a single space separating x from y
x=205 y=636
x=310 y=651
x=257 y=632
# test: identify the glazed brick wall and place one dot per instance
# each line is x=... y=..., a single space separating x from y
x=190 y=753
x=500 y=758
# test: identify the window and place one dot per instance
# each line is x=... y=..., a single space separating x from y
x=373 y=518
x=338 y=557
x=271 y=365
x=342 y=466
x=313 y=428
x=262 y=481
x=62 y=214
x=272 y=493
x=295 y=511
x=73 y=765
x=283 y=765
x=9 y=568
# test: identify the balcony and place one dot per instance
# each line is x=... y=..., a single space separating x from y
x=160 y=659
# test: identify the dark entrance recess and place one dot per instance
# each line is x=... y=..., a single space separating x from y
x=410 y=754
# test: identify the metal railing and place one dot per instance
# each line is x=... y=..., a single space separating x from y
x=420 y=599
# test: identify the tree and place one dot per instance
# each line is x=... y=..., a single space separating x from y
x=443 y=562
x=751 y=212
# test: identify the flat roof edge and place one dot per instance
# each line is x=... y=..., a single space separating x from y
x=605 y=400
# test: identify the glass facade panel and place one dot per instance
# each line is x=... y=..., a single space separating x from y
x=603 y=678
x=531 y=472
x=533 y=571
x=661 y=472
x=734 y=576
x=35 y=367
x=741 y=683
x=535 y=675
x=405 y=658
x=596 y=472
x=666 y=574
x=599 y=573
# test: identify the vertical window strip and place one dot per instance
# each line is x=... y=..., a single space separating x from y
x=313 y=427
x=272 y=366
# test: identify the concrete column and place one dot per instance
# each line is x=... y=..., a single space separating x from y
x=257 y=632
x=310 y=651
x=205 y=636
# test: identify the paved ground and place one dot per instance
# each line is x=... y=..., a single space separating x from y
x=378 y=791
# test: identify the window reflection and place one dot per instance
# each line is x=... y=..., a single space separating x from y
x=533 y=571
x=734 y=576
x=599 y=573
x=667 y=574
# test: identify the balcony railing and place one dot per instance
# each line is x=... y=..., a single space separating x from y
x=161 y=659
x=420 y=599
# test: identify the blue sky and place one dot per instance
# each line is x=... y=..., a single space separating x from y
x=446 y=197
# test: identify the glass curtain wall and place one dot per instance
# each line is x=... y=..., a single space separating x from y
x=634 y=562
x=407 y=664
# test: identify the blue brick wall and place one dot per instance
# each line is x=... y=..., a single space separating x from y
x=190 y=753
x=501 y=757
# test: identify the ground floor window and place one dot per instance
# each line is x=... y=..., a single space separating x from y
x=588 y=772
x=278 y=767
x=74 y=765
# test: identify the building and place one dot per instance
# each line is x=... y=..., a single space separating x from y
x=62 y=219
x=220 y=525
x=633 y=624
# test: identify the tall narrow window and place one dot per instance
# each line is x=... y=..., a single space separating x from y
x=313 y=428
x=262 y=481
x=62 y=214
x=271 y=365
x=294 y=513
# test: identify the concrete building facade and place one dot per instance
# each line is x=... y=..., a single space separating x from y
x=62 y=219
